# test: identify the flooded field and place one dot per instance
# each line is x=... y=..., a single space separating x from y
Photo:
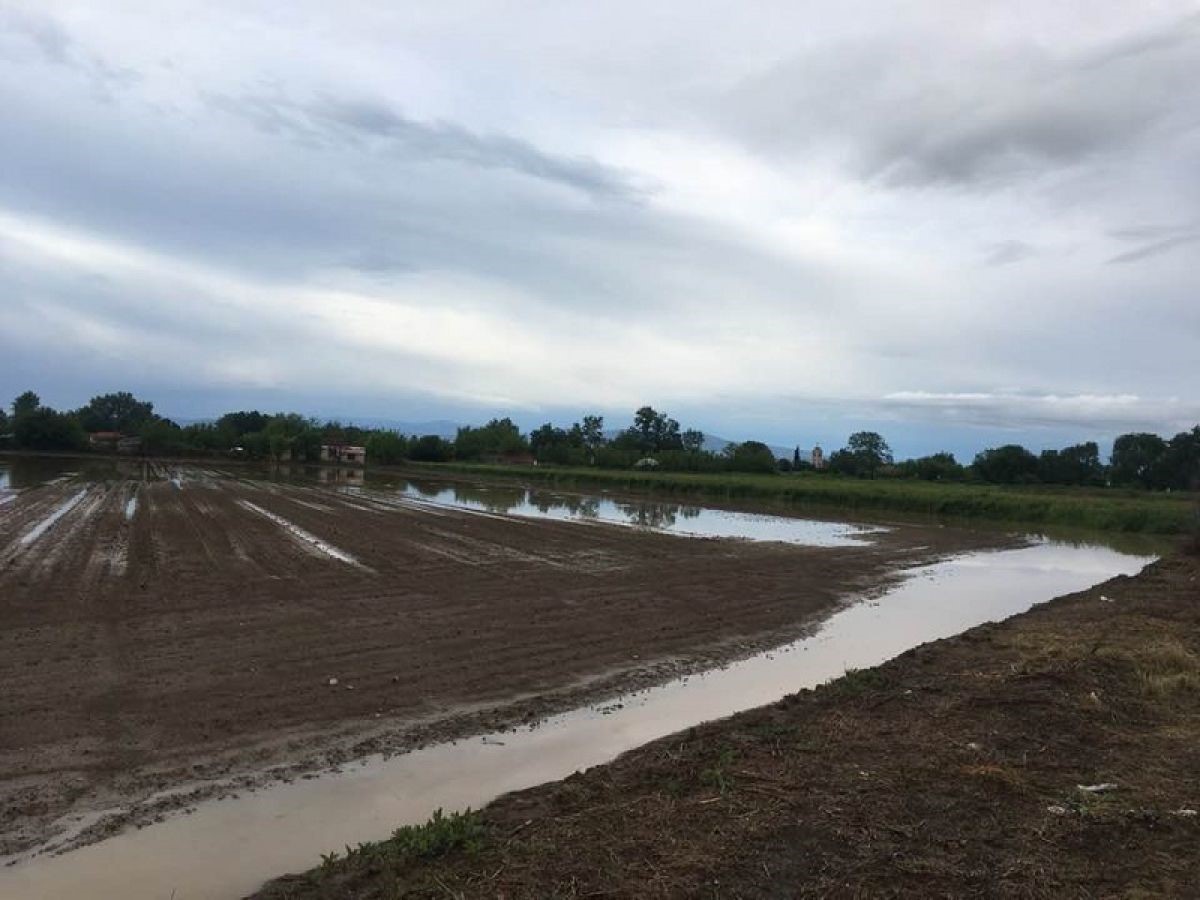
x=174 y=634
x=659 y=515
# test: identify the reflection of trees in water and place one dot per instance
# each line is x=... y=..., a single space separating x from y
x=497 y=500
x=691 y=512
x=650 y=515
x=578 y=507
x=425 y=489
x=32 y=471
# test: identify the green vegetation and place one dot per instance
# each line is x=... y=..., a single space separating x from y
x=1107 y=509
x=442 y=834
x=1070 y=486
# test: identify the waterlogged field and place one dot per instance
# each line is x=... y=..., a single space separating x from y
x=1108 y=509
x=172 y=634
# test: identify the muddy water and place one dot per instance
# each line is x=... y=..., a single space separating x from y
x=656 y=515
x=226 y=849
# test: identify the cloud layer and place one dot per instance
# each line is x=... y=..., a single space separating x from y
x=785 y=220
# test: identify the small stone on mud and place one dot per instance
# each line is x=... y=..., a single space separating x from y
x=1057 y=810
x=333 y=682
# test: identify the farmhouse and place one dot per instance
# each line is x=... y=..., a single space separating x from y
x=343 y=453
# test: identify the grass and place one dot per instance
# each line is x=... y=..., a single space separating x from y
x=437 y=837
x=1106 y=509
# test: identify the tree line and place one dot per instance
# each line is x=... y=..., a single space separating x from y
x=654 y=439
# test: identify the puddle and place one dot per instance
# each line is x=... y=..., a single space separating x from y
x=307 y=540
x=675 y=518
x=51 y=520
x=227 y=849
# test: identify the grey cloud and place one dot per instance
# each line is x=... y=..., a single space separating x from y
x=366 y=125
x=1153 y=240
x=40 y=30
x=1005 y=252
x=1000 y=408
x=56 y=46
x=1155 y=248
x=904 y=116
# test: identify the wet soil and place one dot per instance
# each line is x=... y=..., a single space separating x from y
x=204 y=639
x=1056 y=754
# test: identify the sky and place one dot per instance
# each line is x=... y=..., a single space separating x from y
x=956 y=223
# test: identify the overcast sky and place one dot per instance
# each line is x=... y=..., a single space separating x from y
x=958 y=223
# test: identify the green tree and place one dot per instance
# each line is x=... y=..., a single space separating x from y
x=935 y=467
x=692 y=440
x=1078 y=464
x=870 y=451
x=751 y=456
x=1134 y=458
x=161 y=436
x=239 y=423
x=498 y=437
x=27 y=403
x=1009 y=464
x=1179 y=466
x=430 y=448
x=45 y=429
x=651 y=432
x=116 y=412
x=592 y=430
x=386 y=447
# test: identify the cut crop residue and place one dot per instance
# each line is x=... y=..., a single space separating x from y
x=311 y=541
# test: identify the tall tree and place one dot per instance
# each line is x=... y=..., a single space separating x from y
x=592 y=429
x=116 y=412
x=28 y=402
x=870 y=451
x=1134 y=457
x=1010 y=464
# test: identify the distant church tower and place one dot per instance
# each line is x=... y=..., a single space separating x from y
x=818 y=457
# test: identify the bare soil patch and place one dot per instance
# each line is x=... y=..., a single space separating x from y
x=203 y=638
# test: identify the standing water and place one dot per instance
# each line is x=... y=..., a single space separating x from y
x=654 y=515
x=227 y=849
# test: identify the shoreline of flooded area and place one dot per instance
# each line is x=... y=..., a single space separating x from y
x=227 y=848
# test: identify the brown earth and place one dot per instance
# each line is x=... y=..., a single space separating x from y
x=194 y=644
x=956 y=770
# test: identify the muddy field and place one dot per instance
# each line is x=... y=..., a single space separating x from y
x=176 y=627
x=1056 y=754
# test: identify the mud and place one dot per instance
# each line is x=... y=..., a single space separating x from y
x=218 y=632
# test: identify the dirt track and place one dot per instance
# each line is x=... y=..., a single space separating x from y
x=193 y=636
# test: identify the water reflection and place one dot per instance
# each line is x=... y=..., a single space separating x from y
x=649 y=514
